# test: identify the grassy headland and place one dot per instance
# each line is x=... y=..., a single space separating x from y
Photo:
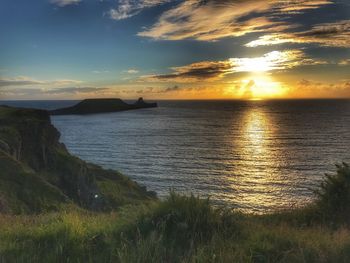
x=39 y=175
x=45 y=218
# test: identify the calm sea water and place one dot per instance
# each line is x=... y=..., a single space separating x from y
x=258 y=156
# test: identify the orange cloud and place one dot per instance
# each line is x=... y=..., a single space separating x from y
x=213 y=70
x=211 y=20
x=335 y=34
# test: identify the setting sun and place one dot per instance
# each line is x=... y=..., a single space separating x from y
x=262 y=87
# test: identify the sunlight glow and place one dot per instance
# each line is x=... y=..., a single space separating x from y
x=265 y=88
x=274 y=60
x=261 y=87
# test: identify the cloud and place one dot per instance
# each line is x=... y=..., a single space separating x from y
x=29 y=92
x=100 y=71
x=26 y=81
x=172 y=89
x=308 y=88
x=4 y=82
x=299 y=6
x=129 y=8
x=213 y=70
x=131 y=71
x=74 y=90
x=336 y=34
x=344 y=62
x=210 y=20
x=206 y=70
x=62 y=3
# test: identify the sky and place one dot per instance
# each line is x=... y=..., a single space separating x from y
x=173 y=49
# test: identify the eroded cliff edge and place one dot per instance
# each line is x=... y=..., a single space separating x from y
x=37 y=173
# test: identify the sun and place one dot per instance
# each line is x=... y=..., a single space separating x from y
x=262 y=87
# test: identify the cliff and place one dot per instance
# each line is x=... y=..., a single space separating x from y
x=38 y=173
x=91 y=106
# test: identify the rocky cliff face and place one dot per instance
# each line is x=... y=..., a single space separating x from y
x=29 y=137
x=31 y=144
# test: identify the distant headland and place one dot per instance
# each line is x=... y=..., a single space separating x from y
x=92 y=106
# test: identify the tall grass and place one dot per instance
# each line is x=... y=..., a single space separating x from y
x=185 y=229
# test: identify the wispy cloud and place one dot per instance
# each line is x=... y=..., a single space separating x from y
x=206 y=70
x=308 y=88
x=129 y=8
x=62 y=3
x=210 y=20
x=4 y=82
x=100 y=71
x=344 y=62
x=26 y=81
x=74 y=90
x=299 y=6
x=335 y=34
x=71 y=91
x=213 y=70
x=131 y=71
x=172 y=89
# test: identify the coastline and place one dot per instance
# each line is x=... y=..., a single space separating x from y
x=183 y=229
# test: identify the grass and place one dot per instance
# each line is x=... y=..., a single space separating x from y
x=141 y=236
x=183 y=229
x=22 y=191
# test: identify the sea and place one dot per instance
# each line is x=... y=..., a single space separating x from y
x=253 y=156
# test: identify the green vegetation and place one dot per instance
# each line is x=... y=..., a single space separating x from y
x=182 y=229
x=45 y=217
x=39 y=175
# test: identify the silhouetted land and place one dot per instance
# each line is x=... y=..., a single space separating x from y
x=91 y=106
x=55 y=207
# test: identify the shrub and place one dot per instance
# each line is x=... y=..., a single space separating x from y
x=334 y=195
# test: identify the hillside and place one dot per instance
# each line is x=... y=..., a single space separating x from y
x=38 y=173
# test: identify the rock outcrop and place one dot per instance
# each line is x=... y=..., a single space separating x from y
x=92 y=106
x=37 y=173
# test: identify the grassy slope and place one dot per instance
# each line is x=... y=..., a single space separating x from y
x=22 y=191
x=38 y=174
x=186 y=229
x=177 y=230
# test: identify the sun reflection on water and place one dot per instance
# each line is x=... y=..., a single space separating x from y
x=255 y=130
x=257 y=181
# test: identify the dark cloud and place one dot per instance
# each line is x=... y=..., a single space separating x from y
x=205 y=70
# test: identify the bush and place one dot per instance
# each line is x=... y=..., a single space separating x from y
x=334 y=195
